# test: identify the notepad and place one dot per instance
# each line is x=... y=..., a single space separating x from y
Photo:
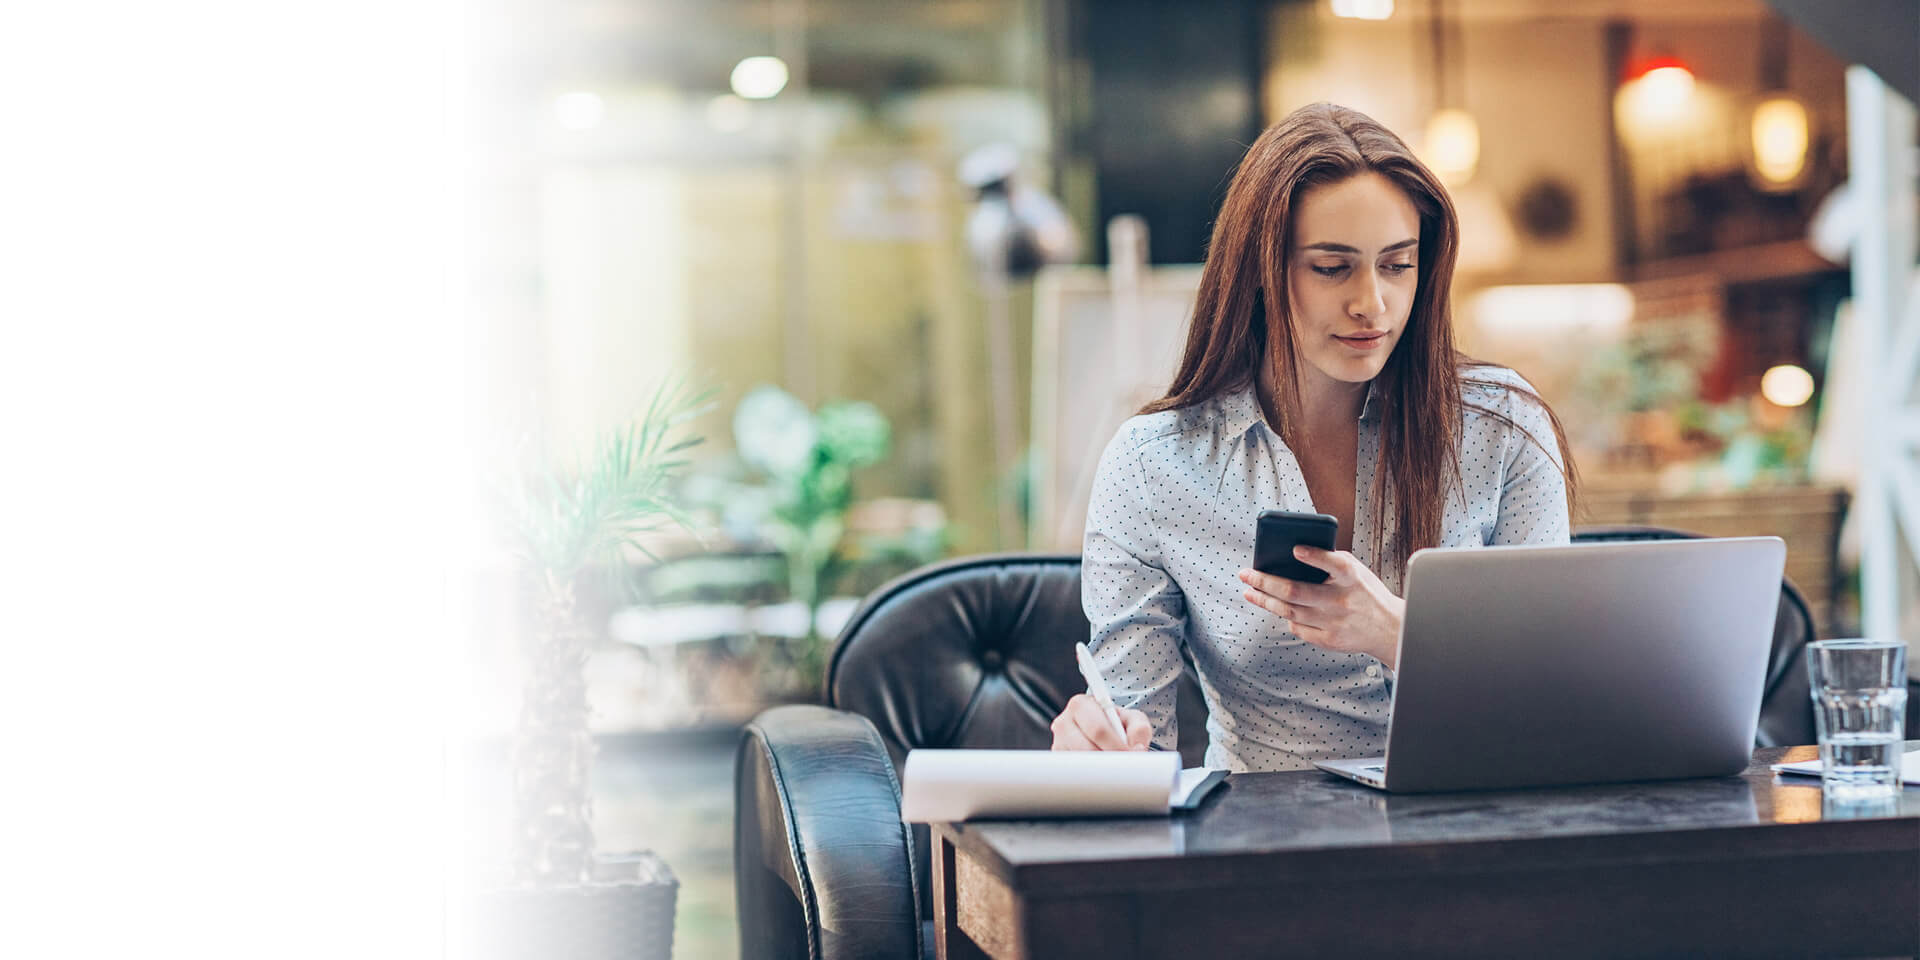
x=1909 y=767
x=1194 y=785
x=945 y=785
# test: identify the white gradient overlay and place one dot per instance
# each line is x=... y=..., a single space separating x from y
x=233 y=478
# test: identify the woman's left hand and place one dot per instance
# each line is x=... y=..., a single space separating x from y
x=1353 y=612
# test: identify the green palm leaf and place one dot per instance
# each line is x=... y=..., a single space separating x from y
x=570 y=519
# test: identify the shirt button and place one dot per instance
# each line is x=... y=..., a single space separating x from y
x=1373 y=669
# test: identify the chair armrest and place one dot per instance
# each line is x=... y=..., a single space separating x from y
x=823 y=867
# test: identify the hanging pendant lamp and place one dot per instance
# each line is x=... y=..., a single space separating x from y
x=1778 y=128
x=1452 y=139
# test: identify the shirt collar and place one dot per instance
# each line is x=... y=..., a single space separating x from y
x=1367 y=411
x=1240 y=410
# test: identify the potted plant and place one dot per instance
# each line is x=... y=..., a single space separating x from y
x=573 y=526
x=805 y=462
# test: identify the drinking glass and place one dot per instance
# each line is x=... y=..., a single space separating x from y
x=1859 y=712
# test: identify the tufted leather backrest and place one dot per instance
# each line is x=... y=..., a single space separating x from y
x=974 y=653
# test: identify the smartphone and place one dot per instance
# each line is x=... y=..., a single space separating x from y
x=1280 y=531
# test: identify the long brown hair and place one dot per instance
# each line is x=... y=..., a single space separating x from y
x=1239 y=318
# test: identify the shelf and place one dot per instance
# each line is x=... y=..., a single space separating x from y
x=1783 y=260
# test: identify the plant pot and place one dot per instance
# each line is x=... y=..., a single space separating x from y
x=625 y=913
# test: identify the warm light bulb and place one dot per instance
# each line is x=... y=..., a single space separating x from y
x=1363 y=9
x=1786 y=385
x=759 y=78
x=579 y=110
x=1671 y=83
x=1779 y=140
x=1453 y=146
x=1662 y=94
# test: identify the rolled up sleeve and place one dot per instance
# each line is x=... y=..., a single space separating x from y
x=1137 y=613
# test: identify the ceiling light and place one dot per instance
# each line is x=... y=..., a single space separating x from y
x=1778 y=127
x=1663 y=92
x=1363 y=9
x=1786 y=385
x=1453 y=146
x=759 y=78
x=1779 y=140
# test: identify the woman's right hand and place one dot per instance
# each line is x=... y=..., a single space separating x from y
x=1084 y=726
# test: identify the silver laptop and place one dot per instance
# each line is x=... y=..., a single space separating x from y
x=1591 y=663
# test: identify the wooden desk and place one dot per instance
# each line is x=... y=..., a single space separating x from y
x=1307 y=864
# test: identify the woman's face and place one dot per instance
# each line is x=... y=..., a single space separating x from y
x=1355 y=267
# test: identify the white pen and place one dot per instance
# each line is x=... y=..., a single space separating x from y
x=1098 y=688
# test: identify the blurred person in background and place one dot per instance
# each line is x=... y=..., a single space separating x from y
x=1319 y=375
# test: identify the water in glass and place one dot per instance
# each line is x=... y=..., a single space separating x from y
x=1860 y=737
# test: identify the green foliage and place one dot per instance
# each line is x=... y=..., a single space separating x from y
x=807 y=461
x=1655 y=367
x=569 y=518
x=1754 y=453
x=804 y=464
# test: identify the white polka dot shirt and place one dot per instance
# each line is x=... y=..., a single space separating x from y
x=1171 y=523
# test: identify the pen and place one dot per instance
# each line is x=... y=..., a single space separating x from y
x=1098 y=688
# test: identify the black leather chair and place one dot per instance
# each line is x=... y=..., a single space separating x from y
x=971 y=653
x=975 y=652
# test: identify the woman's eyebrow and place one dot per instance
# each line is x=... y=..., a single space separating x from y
x=1343 y=248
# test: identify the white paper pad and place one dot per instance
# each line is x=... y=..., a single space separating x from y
x=1909 y=767
x=941 y=785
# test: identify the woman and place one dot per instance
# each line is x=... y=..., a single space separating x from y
x=1319 y=375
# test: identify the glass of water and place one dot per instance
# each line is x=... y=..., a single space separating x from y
x=1859 y=712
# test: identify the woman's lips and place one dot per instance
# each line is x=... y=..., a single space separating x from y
x=1372 y=340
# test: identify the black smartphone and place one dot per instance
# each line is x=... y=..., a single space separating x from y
x=1280 y=531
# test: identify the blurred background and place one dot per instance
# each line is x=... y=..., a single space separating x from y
x=905 y=265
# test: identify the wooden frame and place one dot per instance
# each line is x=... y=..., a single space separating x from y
x=1090 y=374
